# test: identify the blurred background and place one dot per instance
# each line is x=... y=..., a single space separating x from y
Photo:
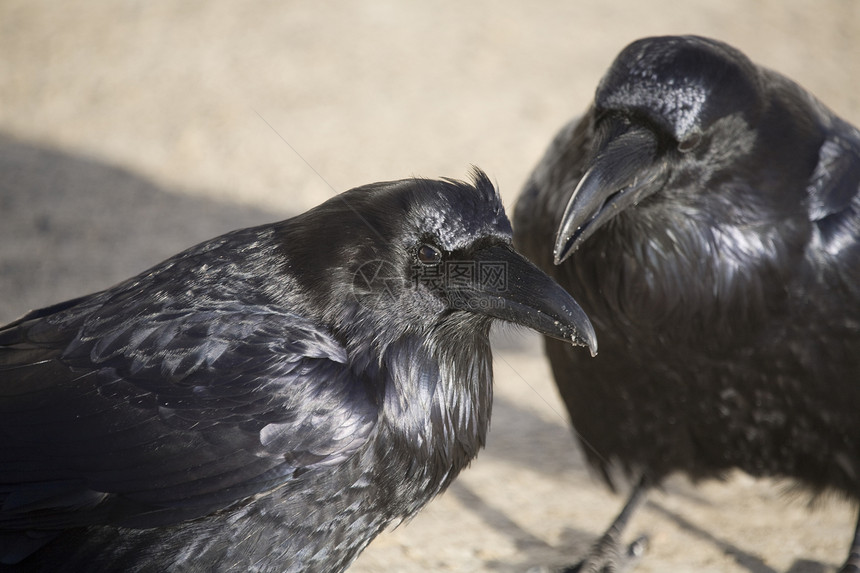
x=132 y=129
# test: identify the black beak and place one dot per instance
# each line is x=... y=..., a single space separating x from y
x=624 y=171
x=507 y=286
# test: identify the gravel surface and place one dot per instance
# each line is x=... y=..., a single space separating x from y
x=130 y=130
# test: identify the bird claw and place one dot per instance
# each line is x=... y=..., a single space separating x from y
x=609 y=556
x=606 y=556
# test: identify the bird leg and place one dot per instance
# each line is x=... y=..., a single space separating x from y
x=608 y=555
x=852 y=563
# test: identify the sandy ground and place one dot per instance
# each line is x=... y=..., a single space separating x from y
x=132 y=129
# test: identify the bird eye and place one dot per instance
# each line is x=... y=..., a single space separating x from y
x=429 y=255
x=690 y=142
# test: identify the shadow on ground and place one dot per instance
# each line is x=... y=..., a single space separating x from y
x=70 y=225
x=744 y=559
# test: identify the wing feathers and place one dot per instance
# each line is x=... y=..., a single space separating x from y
x=166 y=414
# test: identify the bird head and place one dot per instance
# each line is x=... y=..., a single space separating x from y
x=670 y=113
x=416 y=255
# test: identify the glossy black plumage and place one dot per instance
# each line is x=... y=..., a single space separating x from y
x=705 y=213
x=268 y=400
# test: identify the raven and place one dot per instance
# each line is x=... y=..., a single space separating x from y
x=271 y=399
x=705 y=213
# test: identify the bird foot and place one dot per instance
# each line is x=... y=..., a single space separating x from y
x=606 y=556
x=609 y=555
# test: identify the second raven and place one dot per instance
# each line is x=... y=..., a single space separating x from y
x=708 y=221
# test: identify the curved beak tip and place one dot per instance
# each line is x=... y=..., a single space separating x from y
x=565 y=244
x=587 y=339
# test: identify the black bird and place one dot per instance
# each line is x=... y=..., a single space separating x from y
x=271 y=399
x=707 y=217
